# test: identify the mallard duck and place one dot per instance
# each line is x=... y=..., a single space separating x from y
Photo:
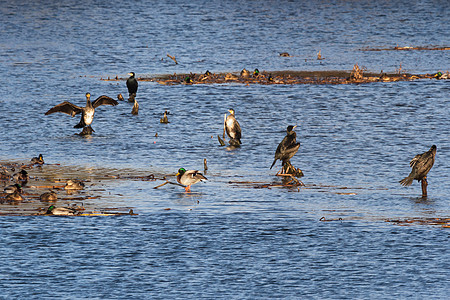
x=132 y=86
x=60 y=211
x=256 y=73
x=232 y=127
x=21 y=177
x=16 y=196
x=421 y=164
x=164 y=119
x=288 y=147
x=87 y=113
x=74 y=185
x=189 y=177
x=245 y=73
x=10 y=189
x=38 y=160
x=135 y=109
x=48 y=196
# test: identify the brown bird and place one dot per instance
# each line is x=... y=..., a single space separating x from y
x=87 y=113
x=288 y=147
x=421 y=164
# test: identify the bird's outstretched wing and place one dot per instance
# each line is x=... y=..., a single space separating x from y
x=67 y=108
x=104 y=100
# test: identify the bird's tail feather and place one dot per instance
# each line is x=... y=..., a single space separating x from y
x=406 y=181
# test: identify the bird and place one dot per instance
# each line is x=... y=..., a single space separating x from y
x=60 y=211
x=38 y=160
x=256 y=73
x=189 y=177
x=288 y=147
x=48 y=196
x=132 y=86
x=16 y=196
x=87 y=113
x=74 y=185
x=135 y=109
x=21 y=177
x=421 y=164
x=245 y=73
x=164 y=119
x=10 y=189
x=233 y=128
x=120 y=97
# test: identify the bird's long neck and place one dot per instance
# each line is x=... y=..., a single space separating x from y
x=88 y=101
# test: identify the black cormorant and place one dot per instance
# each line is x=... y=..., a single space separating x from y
x=132 y=86
x=189 y=177
x=232 y=127
x=421 y=164
x=87 y=113
x=287 y=148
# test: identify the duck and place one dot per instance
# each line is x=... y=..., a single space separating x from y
x=245 y=73
x=16 y=196
x=135 y=109
x=21 y=177
x=164 y=119
x=60 y=211
x=38 y=160
x=74 y=185
x=87 y=113
x=287 y=148
x=10 y=189
x=120 y=97
x=256 y=73
x=284 y=54
x=421 y=164
x=48 y=196
x=132 y=86
x=230 y=76
x=189 y=177
x=233 y=128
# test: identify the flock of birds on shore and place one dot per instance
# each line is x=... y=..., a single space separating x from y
x=421 y=164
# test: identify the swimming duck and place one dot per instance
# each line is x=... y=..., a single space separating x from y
x=288 y=147
x=187 y=79
x=132 y=86
x=16 y=196
x=120 y=97
x=87 y=113
x=245 y=73
x=60 y=211
x=421 y=164
x=21 y=177
x=10 y=189
x=164 y=119
x=135 y=109
x=189 y=177
x=232 y=127
x=48 y=196
x=38 y=160
x=256 y=73
x=74 y=185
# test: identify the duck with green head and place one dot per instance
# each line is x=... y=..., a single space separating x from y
x=60 y=211
x=189 y=177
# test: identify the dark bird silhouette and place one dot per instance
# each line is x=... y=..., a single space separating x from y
x=287 y=148
x=233 y=128
x=132 y=86
x=421 y=164
x=87 y=113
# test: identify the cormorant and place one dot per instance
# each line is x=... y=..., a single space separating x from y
x=421 y=164
x=87 y=113
x=189 y=177
x=132 y=86
x=287 y=148
x=232 y=127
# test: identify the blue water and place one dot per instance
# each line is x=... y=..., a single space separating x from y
x=227 y=240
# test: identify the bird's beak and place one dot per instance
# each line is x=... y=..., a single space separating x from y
x=295 y=126
x=178 y=174
x=130 y=74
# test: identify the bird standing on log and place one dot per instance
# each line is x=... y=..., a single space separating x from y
x=233 y=128
x=287 y=148
x=132 y=86
x=87 y=113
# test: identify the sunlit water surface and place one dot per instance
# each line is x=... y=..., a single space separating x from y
x=227 y=240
